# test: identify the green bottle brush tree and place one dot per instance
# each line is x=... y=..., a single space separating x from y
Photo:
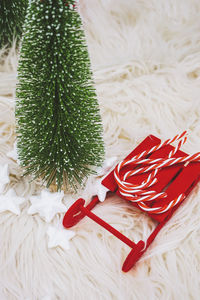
x=59 y=129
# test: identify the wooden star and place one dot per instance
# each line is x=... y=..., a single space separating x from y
x=47 y=205
x=59 y=237
x=100 y=189
x=11 y=202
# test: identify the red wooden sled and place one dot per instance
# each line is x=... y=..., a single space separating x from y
x=174 y=180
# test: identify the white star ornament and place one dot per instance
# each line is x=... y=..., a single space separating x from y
x=59 y=237
x=47 y=205
x=11 y=202
x=101 y=190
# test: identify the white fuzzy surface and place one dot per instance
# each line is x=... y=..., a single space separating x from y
x=146 y=61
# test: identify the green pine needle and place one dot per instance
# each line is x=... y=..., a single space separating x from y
x=12 y=15
x=58 y=120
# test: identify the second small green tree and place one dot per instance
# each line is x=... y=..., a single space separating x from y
x=12 y=16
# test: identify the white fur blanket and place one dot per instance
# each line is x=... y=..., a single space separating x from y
x=145 y=57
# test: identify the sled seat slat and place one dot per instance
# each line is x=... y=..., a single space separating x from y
x=183 y=183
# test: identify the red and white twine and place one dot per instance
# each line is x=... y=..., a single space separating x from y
x=138 y=193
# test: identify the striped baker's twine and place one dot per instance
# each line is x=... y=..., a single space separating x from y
x=164 y=208
x=137 y=193
x=163 y=163
x=137 y=160
x=181 y=137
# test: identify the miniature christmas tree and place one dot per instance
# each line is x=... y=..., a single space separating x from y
x=58 y=121
x=12 y=15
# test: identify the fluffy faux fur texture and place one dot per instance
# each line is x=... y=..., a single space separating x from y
x=146 y=61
